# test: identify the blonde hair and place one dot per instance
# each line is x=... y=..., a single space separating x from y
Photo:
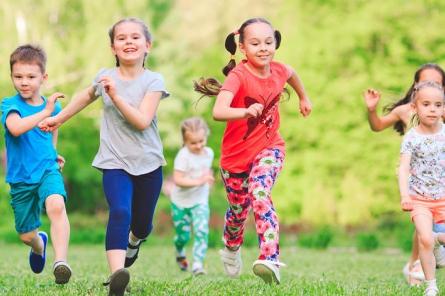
x=425 y=84
x=192 y=125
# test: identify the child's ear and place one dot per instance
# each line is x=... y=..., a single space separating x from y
x=45 y=77
x=148 y=44
x=242 y=48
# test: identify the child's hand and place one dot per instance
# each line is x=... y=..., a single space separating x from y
x=254 y=110
x=61 y=161
x=372 y=98
x=51 y=101
x=49 y=124
x=109 y=86
x=208 y=178
x=305 y=107
x=406 y=204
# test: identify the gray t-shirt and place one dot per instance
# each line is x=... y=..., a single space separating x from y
x=121 y=145
x=194 y=166
x=427 y=175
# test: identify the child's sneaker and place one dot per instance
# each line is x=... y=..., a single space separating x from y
x=118 y=282
x=232 y=261
x=198 y=269
x=267 y=270
x=182 y=262
x=36 y=261
x=132 y=253
x=62 y=272
x=439 y=251
x=414 y=276
x=431 y=291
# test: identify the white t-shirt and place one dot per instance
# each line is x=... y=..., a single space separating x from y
x=194 y=166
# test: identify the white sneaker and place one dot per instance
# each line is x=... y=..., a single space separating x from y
x=431 y=291
x=232 y=261
x=439 y=252
x=198 y=268
x=416 y=276
x=267 y=270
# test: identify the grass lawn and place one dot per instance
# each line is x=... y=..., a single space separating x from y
x=309 y=272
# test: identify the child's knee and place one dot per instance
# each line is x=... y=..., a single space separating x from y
x=55 y=206
x=27 y=237
x=426 y=241
x=120 y=215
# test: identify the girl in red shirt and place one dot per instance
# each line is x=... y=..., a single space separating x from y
x=252 y=149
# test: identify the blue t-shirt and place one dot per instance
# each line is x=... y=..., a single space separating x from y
x=32 y=153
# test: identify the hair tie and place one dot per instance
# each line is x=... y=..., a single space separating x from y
x=236 y=32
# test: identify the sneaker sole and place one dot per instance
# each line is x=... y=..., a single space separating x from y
x=62 y=274
x=118 y=282
x=265 y=273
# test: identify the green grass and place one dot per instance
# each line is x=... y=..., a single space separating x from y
x=309 y=272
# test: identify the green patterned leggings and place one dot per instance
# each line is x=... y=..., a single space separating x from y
x=183 y=219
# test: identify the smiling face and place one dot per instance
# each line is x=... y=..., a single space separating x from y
x=27 y=79
x=429 y=106
x=129 y=43
x=258 y=45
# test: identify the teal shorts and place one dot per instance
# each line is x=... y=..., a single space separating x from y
x=28 y=200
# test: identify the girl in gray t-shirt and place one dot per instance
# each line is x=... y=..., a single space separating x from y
x=130 y=153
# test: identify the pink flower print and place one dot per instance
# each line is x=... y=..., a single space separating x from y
x=260 y=207
x=268 y=249
x=262 y=226
x=268 y=182
x=259 y=171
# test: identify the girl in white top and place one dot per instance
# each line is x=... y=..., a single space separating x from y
x=192 y=177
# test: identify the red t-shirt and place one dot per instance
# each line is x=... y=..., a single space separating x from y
x=244 y=138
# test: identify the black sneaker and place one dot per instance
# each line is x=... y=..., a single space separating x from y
x=118 y=282
x=132 y=253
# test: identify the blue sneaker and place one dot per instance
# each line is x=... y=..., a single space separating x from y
x=36 y=261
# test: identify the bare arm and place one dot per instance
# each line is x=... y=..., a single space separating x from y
x=182 y=180
x=141 y=117
x=376 y=123
x=404 y=169
x=77 y=103
x=17 y=125
x=223 y=112
x=295 y=82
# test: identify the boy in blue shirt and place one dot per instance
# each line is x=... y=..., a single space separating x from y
x=33 y=166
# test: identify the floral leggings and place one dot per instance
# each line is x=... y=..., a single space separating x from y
x=253 y=189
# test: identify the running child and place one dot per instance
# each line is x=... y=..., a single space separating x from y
x=33 y=166
x=130 y=154
x=422 y=174
x=399 y=115
x=192 y=177
x=252 y=150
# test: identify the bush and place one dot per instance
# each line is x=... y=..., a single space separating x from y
x=318 y=240
x=367 y=242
